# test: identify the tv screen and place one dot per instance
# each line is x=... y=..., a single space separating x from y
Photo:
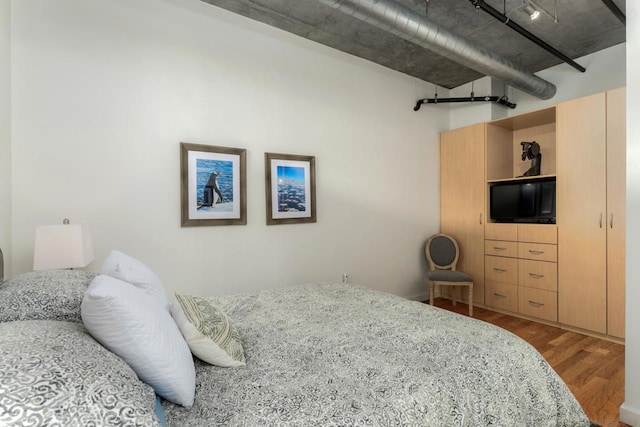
x=523 y=201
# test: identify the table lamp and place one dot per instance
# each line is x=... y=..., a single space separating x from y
x=62 y=246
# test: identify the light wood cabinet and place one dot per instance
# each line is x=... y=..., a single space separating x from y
x=538 y=251
x=571 y=273
x=504 y=149
x=462 y=199
x=501 y=269
x=521 y=269
x=538 y=274
x=503 y=296
x=591 y=211
x=538 y=303
x=616 y=210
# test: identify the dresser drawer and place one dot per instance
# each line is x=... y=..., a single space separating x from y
x=501 y=295
x=538 y=233
x=538 y=251
x=501 y=269
x=538 y=303
x=538 y=274
x=494 y=231
x=501 y=248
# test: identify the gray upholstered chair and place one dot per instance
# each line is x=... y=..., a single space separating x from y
x=442 y=253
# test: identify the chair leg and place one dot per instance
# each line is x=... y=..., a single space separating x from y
x=431 y=291
x=471 y=301
x=454 y=291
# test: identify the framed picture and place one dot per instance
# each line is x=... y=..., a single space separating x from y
x=213 y=185
x=291 y=188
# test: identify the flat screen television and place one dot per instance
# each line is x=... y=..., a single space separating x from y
x=530 y=201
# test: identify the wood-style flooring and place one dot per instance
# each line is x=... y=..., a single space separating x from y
x=592 y=368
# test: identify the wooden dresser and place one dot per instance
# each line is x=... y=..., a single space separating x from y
x=571 y=273
x=521 y=269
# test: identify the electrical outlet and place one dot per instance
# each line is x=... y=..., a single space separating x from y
x=345 y=277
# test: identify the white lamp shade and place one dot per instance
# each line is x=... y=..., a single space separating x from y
x=62 y=246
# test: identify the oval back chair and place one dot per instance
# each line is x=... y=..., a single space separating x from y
x=442 y=253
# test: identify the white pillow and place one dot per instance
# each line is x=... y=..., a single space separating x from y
x=134 y=326
x=126 y=268
x=208 y=331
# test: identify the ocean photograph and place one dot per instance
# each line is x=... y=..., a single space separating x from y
x=291 y=189
x=214 y=182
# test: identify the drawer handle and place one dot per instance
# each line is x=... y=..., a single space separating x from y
x=498 y=248
x=536 y=304
x=501 y=270
x=536 y=276
x=531 y=251
x=499 y=295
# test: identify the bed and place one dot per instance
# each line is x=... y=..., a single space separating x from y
x=308 y=355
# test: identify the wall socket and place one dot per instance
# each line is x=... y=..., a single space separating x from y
x=345 y=277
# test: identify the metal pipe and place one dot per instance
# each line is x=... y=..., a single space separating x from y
x=404 y=22
x=501 y=100
x=481 y=4
x=615 y=10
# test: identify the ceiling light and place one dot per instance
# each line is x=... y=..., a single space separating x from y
x=531 y=11
x=534 y=10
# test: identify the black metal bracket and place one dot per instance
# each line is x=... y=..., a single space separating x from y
x=500 y=100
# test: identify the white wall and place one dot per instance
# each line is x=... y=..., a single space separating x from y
x=5 y=133
x=465 y=114
x=630 y=411
x=105 y=90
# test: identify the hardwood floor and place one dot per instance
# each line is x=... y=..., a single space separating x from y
x=592 y=368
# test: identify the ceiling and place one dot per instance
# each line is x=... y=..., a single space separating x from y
x=583 y=27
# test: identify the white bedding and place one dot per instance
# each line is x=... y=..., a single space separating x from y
x=342 y=355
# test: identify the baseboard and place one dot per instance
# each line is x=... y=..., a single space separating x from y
x=420 y=297
x=629 y=415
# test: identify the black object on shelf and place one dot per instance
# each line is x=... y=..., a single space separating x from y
x=531 y=150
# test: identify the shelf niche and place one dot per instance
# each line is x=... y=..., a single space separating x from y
x=504 y=151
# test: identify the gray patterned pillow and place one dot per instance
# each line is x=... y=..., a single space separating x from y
x=55 y=374
x=44 y=295
x=208 y=331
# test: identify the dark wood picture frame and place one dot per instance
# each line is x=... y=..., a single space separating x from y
x=213 y=185
x=290 y=185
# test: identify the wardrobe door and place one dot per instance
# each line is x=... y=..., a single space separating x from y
x=462 y=199
x=581 y=213
x=616 y=210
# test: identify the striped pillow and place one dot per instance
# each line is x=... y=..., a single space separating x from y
x=208 y=331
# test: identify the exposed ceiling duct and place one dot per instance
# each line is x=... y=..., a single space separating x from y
x=403 y=22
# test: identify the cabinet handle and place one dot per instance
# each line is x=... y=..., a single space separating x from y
x=536 y=304
x=600 y=219
x=498 y=248
x=536 y=276
x=501 y=270
x=531 y=251
x=480 y=218
x=611 y=222
x=499 y=295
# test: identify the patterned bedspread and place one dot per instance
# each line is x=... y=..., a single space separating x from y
x=342 y=355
